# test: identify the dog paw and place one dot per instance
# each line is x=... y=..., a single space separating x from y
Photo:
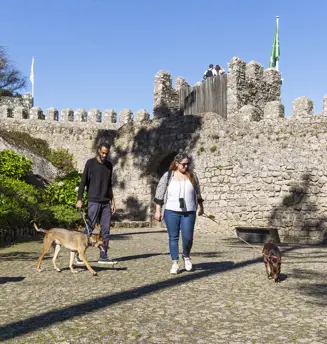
x=38 y=270
x=74 y=271
x=94 y=273
x=57 y=269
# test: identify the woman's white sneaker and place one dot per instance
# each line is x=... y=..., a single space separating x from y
x=188 y=263
x=174 y=268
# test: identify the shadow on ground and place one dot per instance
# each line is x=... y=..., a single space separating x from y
x=4 y=280
x=24 y=256
x=44 y=320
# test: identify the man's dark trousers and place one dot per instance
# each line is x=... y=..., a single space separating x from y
x=101 y=211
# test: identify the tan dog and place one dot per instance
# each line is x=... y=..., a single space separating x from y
x=74 y=241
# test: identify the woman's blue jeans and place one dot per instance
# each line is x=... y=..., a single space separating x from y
x=180 y=221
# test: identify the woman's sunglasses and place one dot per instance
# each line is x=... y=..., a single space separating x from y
x=184 y=164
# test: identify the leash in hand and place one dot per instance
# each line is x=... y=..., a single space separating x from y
x=82 y=215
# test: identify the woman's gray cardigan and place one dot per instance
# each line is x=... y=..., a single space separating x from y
x=162 y=194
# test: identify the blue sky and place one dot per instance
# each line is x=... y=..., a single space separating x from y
x=105 y=53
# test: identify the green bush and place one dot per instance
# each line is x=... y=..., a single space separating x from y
x=63 y=191
x=22 y=203
x=14 y=165
x=18 y=203
x=19 y=189
x=62 y=159
x=12 y=215
x=65 y=216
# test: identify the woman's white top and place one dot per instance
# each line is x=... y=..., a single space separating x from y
x=181 y=189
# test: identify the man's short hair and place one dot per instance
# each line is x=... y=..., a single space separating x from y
x=211 y=65
x=104 y=144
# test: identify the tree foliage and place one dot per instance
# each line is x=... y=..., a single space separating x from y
x=11 y=79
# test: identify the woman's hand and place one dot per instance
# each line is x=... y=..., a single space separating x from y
x=157 y=215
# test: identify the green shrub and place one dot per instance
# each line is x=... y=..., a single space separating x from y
x=19 y=203
x=63 y=191
x=62 y=159
x=12 y=215
x=14 y=165
x=65 y=216
x=213 y=149
x=19 y=189
x=61 y=197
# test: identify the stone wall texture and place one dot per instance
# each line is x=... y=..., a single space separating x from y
x=256 y=167
x=25 y=101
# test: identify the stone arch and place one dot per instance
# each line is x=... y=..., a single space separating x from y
x=165 y=163
x=158 y=165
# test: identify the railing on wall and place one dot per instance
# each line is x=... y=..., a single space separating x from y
x=209 y=96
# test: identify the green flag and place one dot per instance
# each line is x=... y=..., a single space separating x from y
x=275 y=49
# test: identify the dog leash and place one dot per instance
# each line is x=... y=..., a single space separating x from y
x=82 y=215
x=261 y=253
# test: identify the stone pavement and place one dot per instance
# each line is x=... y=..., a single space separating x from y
x=227 y=299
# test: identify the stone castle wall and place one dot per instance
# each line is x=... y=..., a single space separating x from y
x=256 y=167
x=26 y=101
x=76 y=131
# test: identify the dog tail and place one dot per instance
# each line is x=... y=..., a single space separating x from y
x=39 y=229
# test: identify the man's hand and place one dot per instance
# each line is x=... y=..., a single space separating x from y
x=79 y=204
x=113 y=208
x=157 y=215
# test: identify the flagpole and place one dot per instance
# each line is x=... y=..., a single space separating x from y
x=32 y=79
x=277 y=61
x=33 y=91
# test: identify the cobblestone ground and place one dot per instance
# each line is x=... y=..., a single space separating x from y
x=226 y=299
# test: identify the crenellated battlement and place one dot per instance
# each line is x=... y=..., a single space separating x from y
x=247 y=91
x=79 y=116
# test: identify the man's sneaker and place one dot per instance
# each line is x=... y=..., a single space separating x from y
x=78 y=261
x=174 y=268
x=107 y=261
x=188 y=263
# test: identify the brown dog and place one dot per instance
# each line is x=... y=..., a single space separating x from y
x=74 y=241
x=272 y=256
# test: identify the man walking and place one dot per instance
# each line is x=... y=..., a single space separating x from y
x=97 y=178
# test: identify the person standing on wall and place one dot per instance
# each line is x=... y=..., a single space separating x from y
x=219 y=70
x=97 y=178
x=209 y=72
x=177 y=197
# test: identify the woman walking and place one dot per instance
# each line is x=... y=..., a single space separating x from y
x=177 y=197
